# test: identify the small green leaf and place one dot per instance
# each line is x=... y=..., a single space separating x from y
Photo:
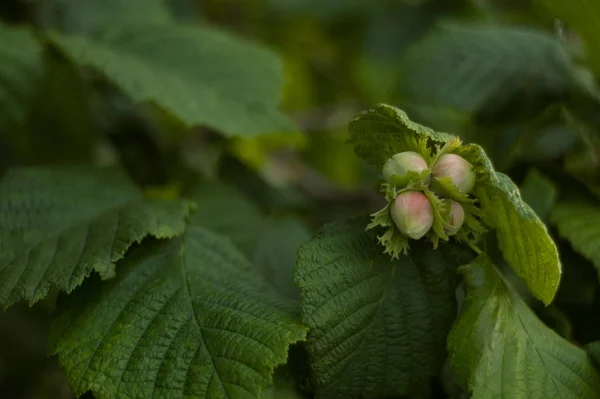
x=57 y=225
x=189 y=317
x=500 y=349
x=21 y=74
x=384 y=131
x=201 y=75
x=539 y=192
x=578 y=221
x=377 y=327
x=380 y=133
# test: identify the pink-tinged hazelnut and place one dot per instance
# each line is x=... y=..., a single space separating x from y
x=402 y=163
x=412 y=213
x=458 y=169
x=457 y=217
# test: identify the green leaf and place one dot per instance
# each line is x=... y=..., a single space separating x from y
x=539 y=192
x=578 y=221
x=546 y=144
x=224 y=209
x=380 y=133
x=500 y=349
x=188 y=317
x=269 y=242
x=583 y=16
x=57 y=225
x=522 y=236
x=582 y=161
x=594 y=351
x=201 y=75
x=468 y=68
x=60 y=128
x=320 y=9
x=74 y=16
x=377 y=327
x=275 y=252
x=579 y=282
x=283 y=388
x=21 y=74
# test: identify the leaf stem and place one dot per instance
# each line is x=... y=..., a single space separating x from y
x=474 y=248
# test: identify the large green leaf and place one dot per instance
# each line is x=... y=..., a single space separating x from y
x=377 y=327
x=380 y=133
x=185 y=318
x=201 y=75
x=57 y=225
x=583 y=16
x=471 y=67
x=21 y=73
x=500 y=349
x=578 y=221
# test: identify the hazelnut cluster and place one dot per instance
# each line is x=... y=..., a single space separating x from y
x=412 y=211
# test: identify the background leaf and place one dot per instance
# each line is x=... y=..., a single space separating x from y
x=60 y=126
x=200 y=75
x=190 y=318
x=275 y=254
x=57 y=225
x=377 y=328
x=578 y=221
x=538 y=192
x=283 y=388
x=583 y=16
x=471 y=67
x=21 y=73
x=224 y=209
x=270 y=243
x=83 y=17
x=594 y=351
x=499 y=348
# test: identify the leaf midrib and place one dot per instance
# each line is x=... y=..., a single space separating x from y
x=184 y=275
